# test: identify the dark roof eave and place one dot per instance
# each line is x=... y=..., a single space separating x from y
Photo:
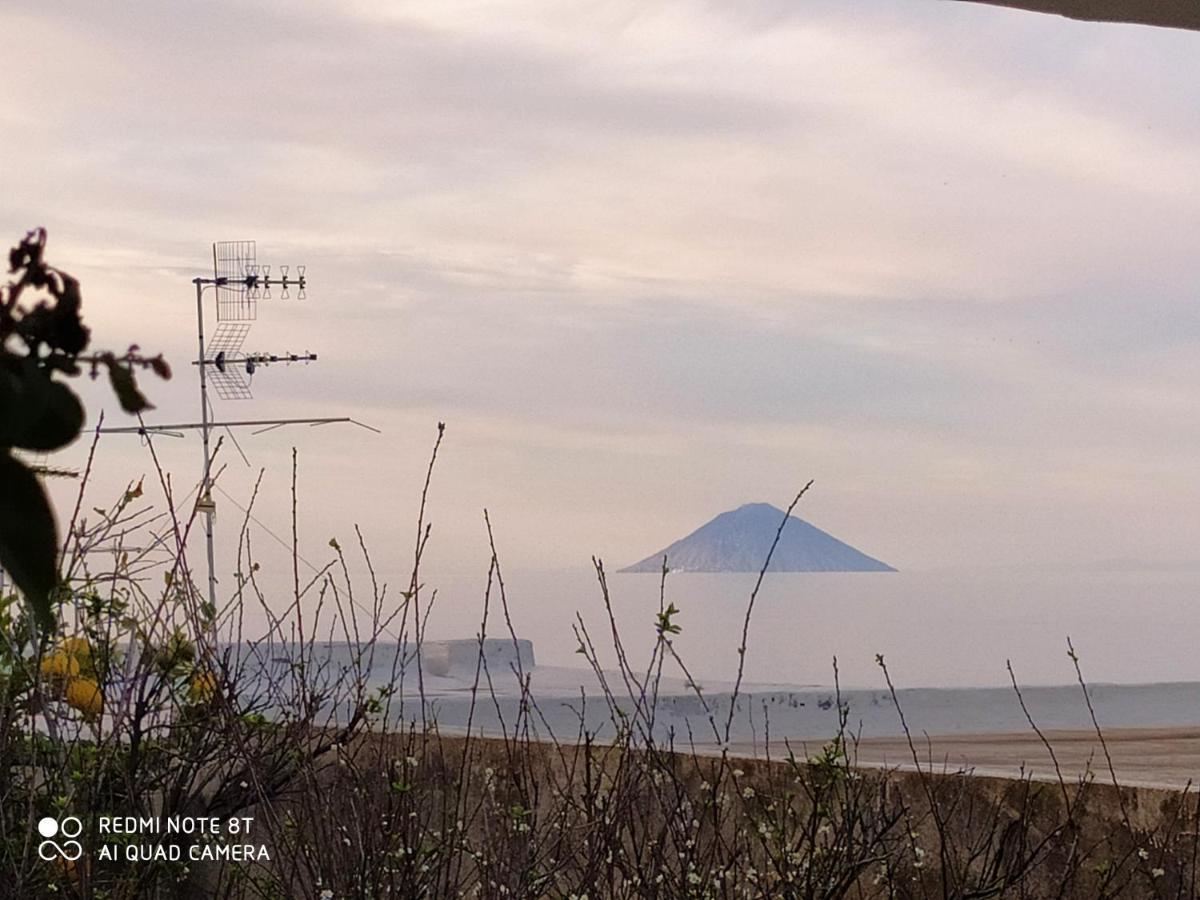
x=1183 y=14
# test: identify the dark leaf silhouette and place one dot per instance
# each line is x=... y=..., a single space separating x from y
x=35 y=412
x=28 y=537
x=121 y=377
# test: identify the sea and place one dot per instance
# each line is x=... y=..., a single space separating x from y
x=934 y=629
x=946 y=638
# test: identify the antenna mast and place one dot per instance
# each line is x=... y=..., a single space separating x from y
x=239 y=283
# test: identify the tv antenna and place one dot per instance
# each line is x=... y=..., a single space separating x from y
x=239 y=282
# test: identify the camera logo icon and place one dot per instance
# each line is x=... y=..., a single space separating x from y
x=69 y=828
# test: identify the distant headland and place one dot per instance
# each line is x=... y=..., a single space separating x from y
x=738 y=541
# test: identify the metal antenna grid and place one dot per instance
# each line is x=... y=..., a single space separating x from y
x=239 y=282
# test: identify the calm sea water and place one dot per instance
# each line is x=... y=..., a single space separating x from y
x=936 y=629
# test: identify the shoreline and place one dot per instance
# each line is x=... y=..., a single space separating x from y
x=1161 y=758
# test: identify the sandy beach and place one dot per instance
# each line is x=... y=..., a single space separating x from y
x=1141 y=757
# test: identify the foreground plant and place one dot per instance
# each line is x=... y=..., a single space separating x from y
x=42 y=341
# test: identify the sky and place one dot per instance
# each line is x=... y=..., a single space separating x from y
x=647 y=262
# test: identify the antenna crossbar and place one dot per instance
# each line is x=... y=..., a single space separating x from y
x=243 y=423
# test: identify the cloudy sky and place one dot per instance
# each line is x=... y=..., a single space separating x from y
x=649 y=262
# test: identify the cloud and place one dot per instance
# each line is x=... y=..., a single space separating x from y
x=650 y=261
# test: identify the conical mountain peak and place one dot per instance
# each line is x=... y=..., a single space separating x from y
x=738 y=541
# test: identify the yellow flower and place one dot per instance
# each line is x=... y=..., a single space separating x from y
x=60 y=664
x=84 y=695
x=72 y=657
x=77 y=646
x=202 y=687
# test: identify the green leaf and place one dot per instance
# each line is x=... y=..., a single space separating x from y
x=665 y=625
x=28 y=537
